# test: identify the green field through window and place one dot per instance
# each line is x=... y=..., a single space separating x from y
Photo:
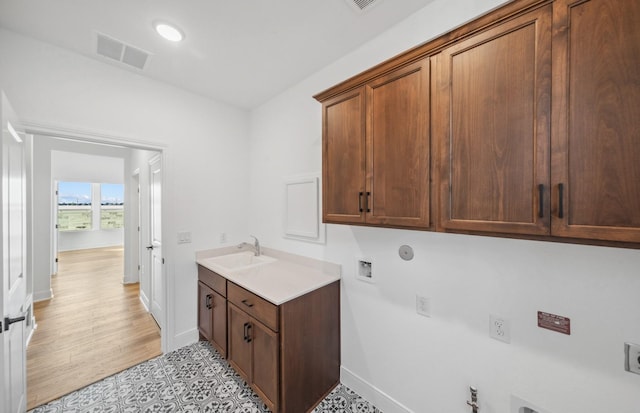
x=111 y=218
x=74 y=219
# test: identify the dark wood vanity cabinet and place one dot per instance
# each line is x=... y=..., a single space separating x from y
x=289 y=354
x=212 y=309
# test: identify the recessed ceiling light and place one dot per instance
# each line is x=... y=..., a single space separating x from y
x=169 y=32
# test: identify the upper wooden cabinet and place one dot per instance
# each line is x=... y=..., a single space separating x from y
x=491 y=119
x=343 y=142
x=376 y=151
x=596 y=119
x=533 y=114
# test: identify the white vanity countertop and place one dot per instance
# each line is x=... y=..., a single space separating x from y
x=289 y=277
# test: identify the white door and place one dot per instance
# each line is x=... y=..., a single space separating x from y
x=155 y=246
x=13 y=264
x=56 y=231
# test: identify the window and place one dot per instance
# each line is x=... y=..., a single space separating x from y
x=74 y=206
x=111 y=206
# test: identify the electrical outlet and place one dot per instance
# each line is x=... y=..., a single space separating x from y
x=499 y=328
x=632 y=358
x=423 y=306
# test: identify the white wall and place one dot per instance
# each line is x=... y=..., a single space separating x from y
x=204 y=144
x=398 y=358
x=95 y=169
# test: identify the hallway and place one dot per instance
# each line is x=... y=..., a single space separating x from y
x=93 y=327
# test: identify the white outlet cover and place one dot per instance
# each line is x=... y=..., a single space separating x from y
x=499 y=328
x=520 y=405
x=423 y=305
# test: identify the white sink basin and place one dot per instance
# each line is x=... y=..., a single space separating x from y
x=238 y=261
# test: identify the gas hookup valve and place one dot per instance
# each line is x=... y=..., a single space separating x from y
x=474 y=399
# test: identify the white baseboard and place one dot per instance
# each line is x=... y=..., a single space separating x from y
x=42 y=295
x=371 y=393
x=186 y=338
x=32 y=330
x=144 y=300
x=126 y=279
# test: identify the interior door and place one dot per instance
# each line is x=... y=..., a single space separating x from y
x=56 y=231
x=13 y=261
x=156 y=267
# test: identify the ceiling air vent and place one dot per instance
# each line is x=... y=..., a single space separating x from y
x=116 y=50
x=362 y=5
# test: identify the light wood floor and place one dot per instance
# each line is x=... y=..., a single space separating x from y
x=93 y=327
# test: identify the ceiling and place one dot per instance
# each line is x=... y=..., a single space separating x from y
x=241 y=52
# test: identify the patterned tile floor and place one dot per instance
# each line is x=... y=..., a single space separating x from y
x=192 y=379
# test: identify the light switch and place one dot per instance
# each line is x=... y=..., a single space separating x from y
x=184 y=237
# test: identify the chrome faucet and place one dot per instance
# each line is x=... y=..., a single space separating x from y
x=256 y=245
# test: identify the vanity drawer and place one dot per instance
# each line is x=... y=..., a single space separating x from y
x=255 y=306
x=213 y=280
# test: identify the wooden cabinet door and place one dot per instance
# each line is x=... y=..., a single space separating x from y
x=219 y=320
x=343 y=156
x=239 y=346
x=398 y=147
x=596 y=118
x=491 y=118
x=265 y=374
x=205 y=320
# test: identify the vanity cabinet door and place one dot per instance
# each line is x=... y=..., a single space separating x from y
x=265 y=363
x=219 y=321
x=239 y=346
x=205 y=319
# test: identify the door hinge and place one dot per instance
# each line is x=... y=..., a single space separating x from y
x=163 y=260
x=138 y=267
x=56 y=259
x=138 y=228
x=57 y=226
x=56 y=192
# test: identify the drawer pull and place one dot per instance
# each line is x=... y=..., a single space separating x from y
x=248 y=304
x=360 y=201
x=208 y=301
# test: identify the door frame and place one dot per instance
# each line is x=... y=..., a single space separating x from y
x=88 y=136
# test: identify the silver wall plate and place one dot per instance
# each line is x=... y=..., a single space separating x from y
x=406 y=252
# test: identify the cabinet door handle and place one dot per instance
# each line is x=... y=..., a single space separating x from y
x=208 y=301
x=541 y=201
x=560 y=200
x=247 y=332
x=368 y=196
x=360 y=201
x=248 y=304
